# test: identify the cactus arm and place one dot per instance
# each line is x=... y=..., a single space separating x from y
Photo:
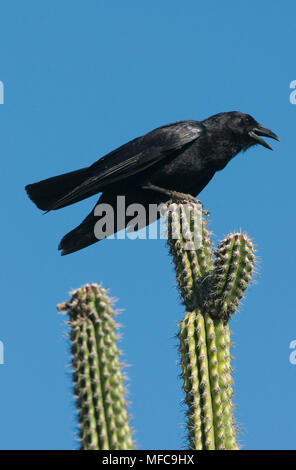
x=191 y=263
x=234 y=261
x=185 y=262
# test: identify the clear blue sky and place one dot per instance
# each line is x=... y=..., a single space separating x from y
x=81 y=78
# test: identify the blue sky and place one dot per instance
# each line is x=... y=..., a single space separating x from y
x=81 y=78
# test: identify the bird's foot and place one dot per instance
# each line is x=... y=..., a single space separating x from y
x=184 y=197
x=176 y=196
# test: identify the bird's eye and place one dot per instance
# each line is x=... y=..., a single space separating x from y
x=246 y=121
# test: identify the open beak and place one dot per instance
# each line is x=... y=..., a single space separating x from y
x=258 y=131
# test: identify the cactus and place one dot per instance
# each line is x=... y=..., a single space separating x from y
x=97 y=374
x=211 y=286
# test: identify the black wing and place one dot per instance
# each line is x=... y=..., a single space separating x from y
x=134 y=157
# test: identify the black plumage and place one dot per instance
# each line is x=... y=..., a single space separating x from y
x=172 y=161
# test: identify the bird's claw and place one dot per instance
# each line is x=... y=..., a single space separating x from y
x=184 y=197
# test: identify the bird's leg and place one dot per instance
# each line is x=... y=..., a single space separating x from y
x=175 y=195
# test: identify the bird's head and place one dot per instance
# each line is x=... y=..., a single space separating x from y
x=244 y=129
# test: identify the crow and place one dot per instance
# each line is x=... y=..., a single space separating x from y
x=175 y=161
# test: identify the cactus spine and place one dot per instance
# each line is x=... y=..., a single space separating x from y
x=98 y=380
x=211 y=286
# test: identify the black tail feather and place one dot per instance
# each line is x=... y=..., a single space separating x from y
x=84 y=235
x=47 y=192
x=80 y=237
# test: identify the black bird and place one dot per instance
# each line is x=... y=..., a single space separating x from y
x=173 y=161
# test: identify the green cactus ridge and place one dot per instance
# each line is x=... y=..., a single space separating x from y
x=191 y=265
x=207 y=383
x=234 y=263
x=211 y=286
x=98 y=379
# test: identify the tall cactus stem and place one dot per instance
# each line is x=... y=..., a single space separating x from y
x=191 y=383
x=211 y=287
x=83 y=389
x=225 y=381
x=196 y=382
x=98 y=379
x=215 y=382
